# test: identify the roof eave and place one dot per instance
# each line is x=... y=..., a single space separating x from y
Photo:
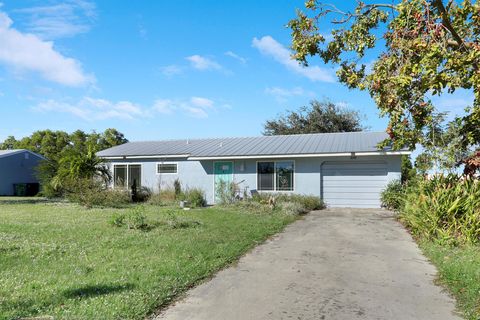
x=305 y=155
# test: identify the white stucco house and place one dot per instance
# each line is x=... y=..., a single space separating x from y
x=344 y=169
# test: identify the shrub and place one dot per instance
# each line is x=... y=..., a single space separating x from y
x=90 y=193
x=251 y=206
x=176 y=222
x=225 y=192
x=445 y=208
x=177 y=187
x=141 y=195
x=134 y=218
x=392 y=197
x=293 y=208
x=291 y=204
x=117 y=219
x=163 y=197
x=195 y=197
x=308 y=202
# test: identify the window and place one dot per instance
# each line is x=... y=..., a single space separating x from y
x=265 y=176
x=167 y=168
x=275 y=176
x=284 y=172
x=127 y=175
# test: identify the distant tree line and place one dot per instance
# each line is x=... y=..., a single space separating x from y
x=69 y=156
x=319 y=117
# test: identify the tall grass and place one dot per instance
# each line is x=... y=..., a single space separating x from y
x=445 y=209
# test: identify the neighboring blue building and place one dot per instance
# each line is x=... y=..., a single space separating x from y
x=18 y=167
x=344 y=169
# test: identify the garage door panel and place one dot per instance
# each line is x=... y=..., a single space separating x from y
x=347 y=184
x=353 y=189
x=354 y=179
x=352 y=195
x=355 y=172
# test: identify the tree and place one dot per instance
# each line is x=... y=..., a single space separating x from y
x=8 y=143
x=69 y=156
x=408 y=171
x=427 y=48
x=319 y=117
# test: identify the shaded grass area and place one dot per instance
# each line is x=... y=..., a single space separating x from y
x=61 y=260
x=459 y=271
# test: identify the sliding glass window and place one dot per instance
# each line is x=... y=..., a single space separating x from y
x=275 y=175
x=127 y=175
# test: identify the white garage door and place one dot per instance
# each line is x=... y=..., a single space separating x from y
x=353 y=184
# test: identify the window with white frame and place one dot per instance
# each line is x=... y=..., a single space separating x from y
x=127 y=175
x=167 y=168
x=275 y=175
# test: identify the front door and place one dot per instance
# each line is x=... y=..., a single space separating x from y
x=223 y=171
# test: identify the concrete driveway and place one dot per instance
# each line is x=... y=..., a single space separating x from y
x=334 y=264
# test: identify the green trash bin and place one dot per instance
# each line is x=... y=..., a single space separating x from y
x=20 y=189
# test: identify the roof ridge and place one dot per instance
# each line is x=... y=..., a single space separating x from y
x=255 y=137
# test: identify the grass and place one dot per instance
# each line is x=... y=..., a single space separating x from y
x=459 y=271
x=64 y=261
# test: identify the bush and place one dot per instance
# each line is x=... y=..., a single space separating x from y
x=293 y=208
x=134 y=218
x=90 y=193
x=393 y=196
x=225 y=192
x=163 y=197
x=308 y=202
x=291 y=204
x=141 y=195
x=195 y=197
x=252 y=206
x=177 y=187
x=445 y=209
x=117 y=219
x=176 y=222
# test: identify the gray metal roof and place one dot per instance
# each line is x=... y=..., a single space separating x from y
x=10 y=152
x=320 y=143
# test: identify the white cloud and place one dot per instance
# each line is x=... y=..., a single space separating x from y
x=60 y=20
x=203 y=63
x=196 y=112
x=231 y=54
x=201 y=102
x=171 y=70
x=94 y=109
x=27 y=52
x=165 y=106
x=198 y=107
x=282 y=94
x=272 y=48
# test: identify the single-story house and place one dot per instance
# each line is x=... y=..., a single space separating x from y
x=344 y=169
x=17 y=172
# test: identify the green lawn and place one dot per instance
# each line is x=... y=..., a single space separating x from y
x=61 y=260
x=459 y=271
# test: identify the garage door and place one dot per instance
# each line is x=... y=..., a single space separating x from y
x=353 y=184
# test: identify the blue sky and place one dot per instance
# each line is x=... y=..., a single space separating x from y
x=161 y=69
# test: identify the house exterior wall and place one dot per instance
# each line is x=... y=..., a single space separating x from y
x=200 y=174
x=16 y=168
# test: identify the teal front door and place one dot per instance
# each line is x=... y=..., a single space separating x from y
x=223 y=171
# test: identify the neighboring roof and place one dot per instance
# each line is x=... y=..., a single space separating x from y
x=11 y=152
x=264 y=146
